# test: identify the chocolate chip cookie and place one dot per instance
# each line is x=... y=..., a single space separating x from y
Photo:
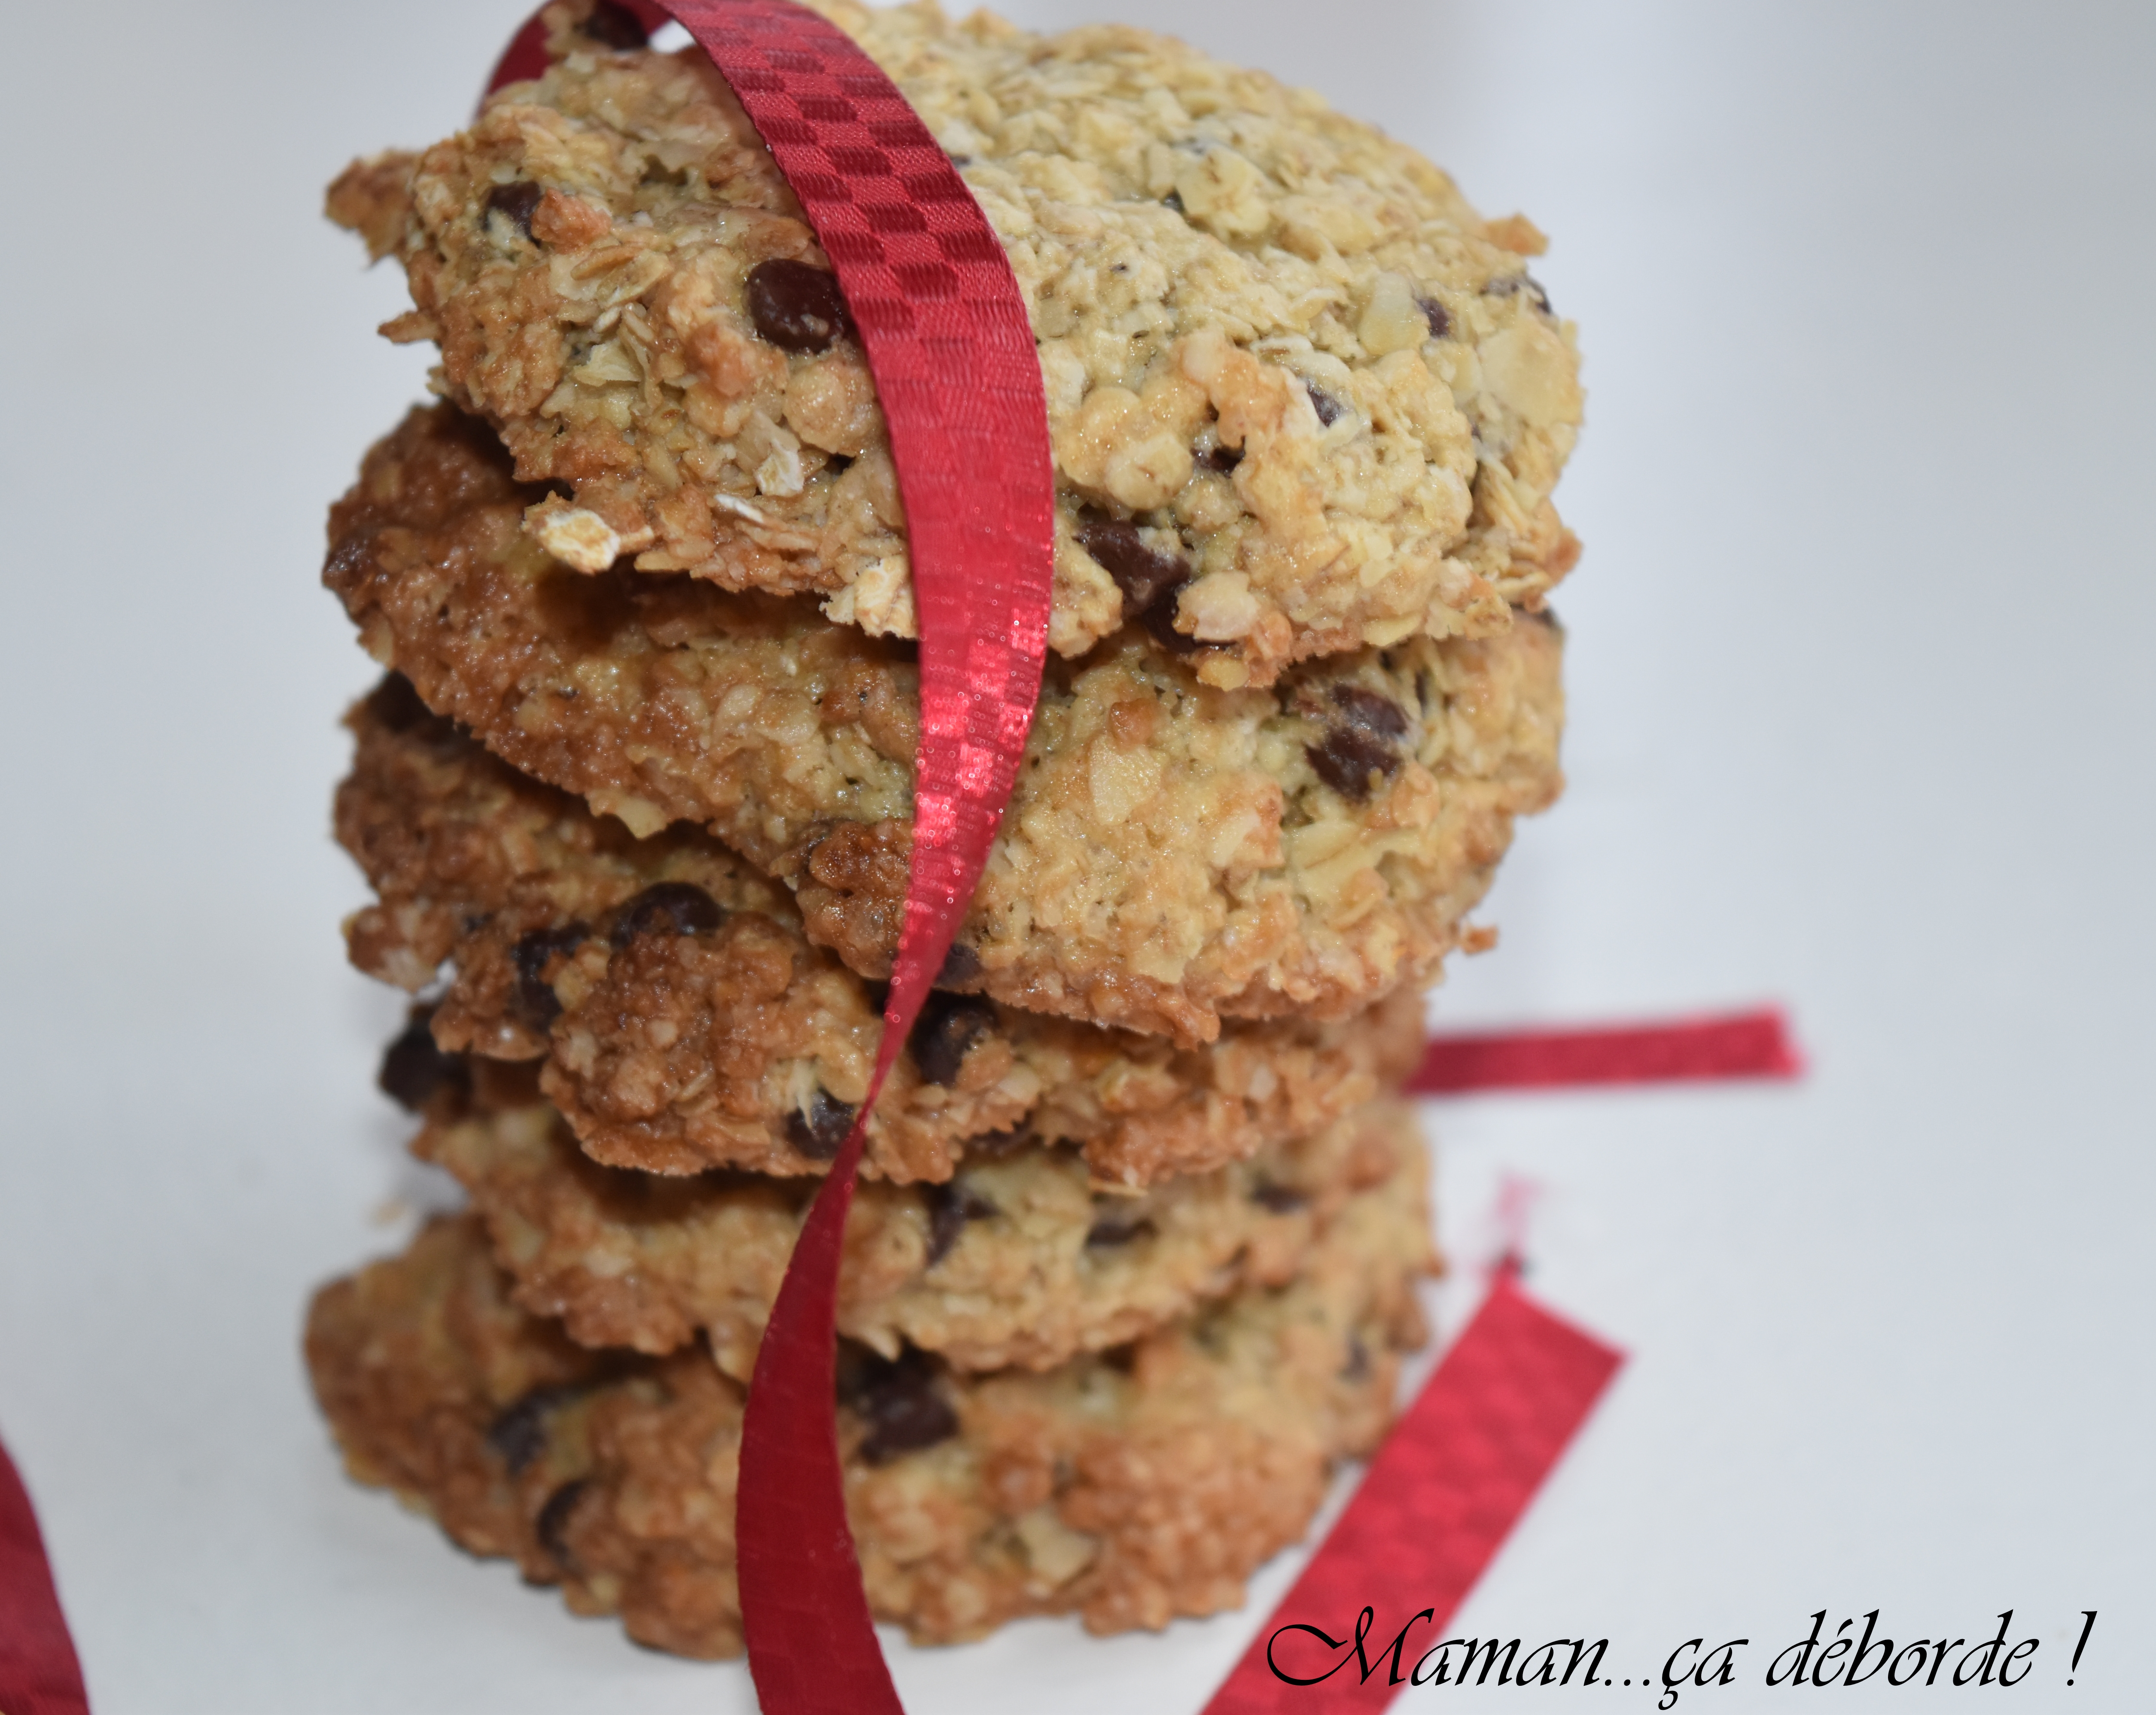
x=686 y=1022
x=1303 y=398
x=1128 y=1488
x=1173 y=853
x=1020 y=1259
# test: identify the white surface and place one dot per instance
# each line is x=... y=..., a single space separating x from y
x=1861 y=720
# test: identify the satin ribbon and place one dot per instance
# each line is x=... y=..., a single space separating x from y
x=1728 y=1045
x=948 y=341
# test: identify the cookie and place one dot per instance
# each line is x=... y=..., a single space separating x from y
x=1172 y=853
x=1128 y=1489
x=1018 y=1260
x=1303 y=399
x=686 y=1022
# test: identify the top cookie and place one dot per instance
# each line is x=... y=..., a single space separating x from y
x=1303 y=399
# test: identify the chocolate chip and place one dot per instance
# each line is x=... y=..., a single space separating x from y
x=1173 y=200
x=1362 y=742
x=1222 y=459
x=552 y=1524
x=1159 y=619
x=817 y=1133
x=961 y=966
x=1358 y=1359
x=898 y=1400
x=1118 y=1227
x=351 y=558
x=1370 y=711
x=414 y=1071
x=945 y=1032
x=1504 y=285
x=853 y=1371
x=518 y=200
x=519 y=1434
x=1345 y=761
x=994 y=1145
x=797 y=307
x=1434 y=313
x=616 y=26
x=395 y=705
x=1144 y=575
x=1279 y=1199
x=1328 y=408
x=950 y=1207
x=534 y=1000
x=667 y=908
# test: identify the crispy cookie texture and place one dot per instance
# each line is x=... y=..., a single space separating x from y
x=1173 y=853
x=1019 y=1261
x=1303 y=399
x=686 y=1022
x=1129 y=1488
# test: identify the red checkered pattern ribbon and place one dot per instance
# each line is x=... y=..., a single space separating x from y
x=38 y=1673
x=949 y=342
x=1438 y=1501
x=1725 y=1046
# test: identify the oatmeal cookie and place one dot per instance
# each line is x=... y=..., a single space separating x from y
x=686 y=1022
x=1303 y=399
x=1171 y=854
x=1128 y=1489
x=1018 y=1260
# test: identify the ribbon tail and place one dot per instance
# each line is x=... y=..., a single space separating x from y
x=812 y=1647
x=39 y=1674
x=1739 y=1044
x=1439 y=1500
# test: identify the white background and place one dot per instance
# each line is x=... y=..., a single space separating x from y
x=1862 y=705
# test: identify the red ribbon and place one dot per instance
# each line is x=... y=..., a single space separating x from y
x=948 y=341
x=1444 y=1493
x=1732 y=1045
x=39 y=1672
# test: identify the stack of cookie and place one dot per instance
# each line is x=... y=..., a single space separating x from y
x=1135 y=1254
